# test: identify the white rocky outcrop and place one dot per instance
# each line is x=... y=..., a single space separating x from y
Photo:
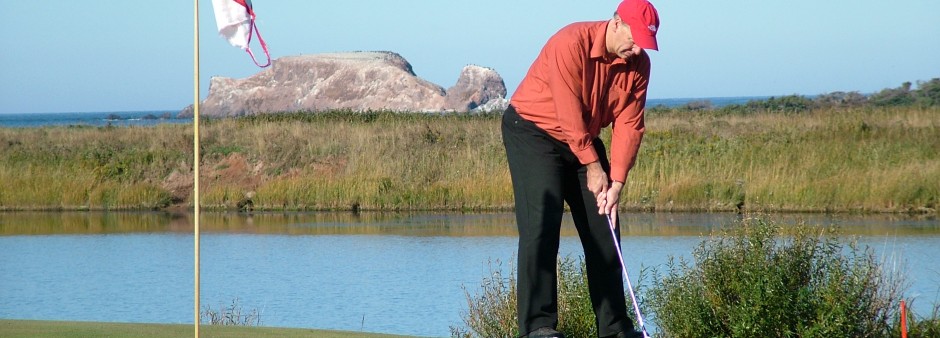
x=356 y=81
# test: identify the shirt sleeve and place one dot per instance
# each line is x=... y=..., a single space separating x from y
x=565 y=83
x=629 y=126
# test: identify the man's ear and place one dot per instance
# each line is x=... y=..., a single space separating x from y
x=618 y=23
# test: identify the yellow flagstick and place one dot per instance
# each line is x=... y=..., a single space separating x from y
x=196 y=161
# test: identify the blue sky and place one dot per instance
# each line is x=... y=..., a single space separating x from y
x=133 y=55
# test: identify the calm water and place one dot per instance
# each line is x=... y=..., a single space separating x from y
x=390 y=273
x=93 y=119
x=148 y=118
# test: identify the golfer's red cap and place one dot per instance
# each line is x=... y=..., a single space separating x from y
x=643 y=20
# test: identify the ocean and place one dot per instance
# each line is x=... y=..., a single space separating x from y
x=92 y=119
x=150 y=118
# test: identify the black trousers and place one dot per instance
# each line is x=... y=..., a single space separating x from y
x=545 y=175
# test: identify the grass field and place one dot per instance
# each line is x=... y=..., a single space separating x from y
x=862 y=159
x=55 y=329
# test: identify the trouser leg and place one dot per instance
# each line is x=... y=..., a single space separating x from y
x=545 y=175
x=535 y=169
x=600 y=254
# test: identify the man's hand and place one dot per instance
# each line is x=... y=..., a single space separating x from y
x=608 y=196
x=612 y=203
x=597 y=182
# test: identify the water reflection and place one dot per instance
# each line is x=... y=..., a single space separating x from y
x=423 y=224
x=402 y=273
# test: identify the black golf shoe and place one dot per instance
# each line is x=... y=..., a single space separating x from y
x=626 y=334
x=545 y=332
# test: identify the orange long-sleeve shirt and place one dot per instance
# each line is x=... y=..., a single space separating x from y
x=574 y=89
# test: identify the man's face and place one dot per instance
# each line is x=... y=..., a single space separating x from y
x=622 y=41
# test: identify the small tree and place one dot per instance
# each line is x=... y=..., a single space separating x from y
x=928 y=93
x=893 y=96
x=783 y=104
x=840 y=99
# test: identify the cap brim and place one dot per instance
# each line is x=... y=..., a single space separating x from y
x=645 y=41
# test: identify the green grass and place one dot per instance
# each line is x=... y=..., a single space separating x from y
x=862 y=159
x=921 y=325
x=59 y=329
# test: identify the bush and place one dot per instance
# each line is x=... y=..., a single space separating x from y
x=900 y=96
x=492 y=312
x=783 y=104
x=752 y=280
x=749 y=279
x=920 y=327
x=230 y=315
x=928 y=93
x=699 y=105
x=839 y=100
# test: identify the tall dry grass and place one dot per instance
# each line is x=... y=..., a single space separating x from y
x=78 y=168
x=858 y=159
x=382 y=161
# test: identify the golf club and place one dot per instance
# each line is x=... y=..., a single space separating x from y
x=636 y=306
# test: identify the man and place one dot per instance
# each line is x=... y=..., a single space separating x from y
x=588 y=75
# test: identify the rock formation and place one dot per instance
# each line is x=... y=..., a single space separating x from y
x=356 y=81
x=475 y=87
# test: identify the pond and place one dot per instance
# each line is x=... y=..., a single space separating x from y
x=376 y=272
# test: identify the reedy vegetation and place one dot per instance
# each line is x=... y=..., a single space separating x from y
x=866 y=159
x=753 y=278
x=233 y=314
x=491 y=311
x=858 y=159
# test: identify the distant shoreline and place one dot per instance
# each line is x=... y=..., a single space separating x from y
x=40 y=119
x=92 y=119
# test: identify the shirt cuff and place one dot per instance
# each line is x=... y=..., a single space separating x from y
x=618 y=173
x=586 y=155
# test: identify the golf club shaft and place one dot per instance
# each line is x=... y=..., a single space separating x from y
x=636 y=306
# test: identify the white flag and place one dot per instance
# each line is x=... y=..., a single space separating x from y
x=233 y=21
x=236 y=22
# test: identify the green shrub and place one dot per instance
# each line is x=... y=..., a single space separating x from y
x=840 y=99
x=751 y=279
x=575 y=312
x=900 y=96
x=928 y=93
x=492 y=312
x=923 y=327
x=783 y=104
